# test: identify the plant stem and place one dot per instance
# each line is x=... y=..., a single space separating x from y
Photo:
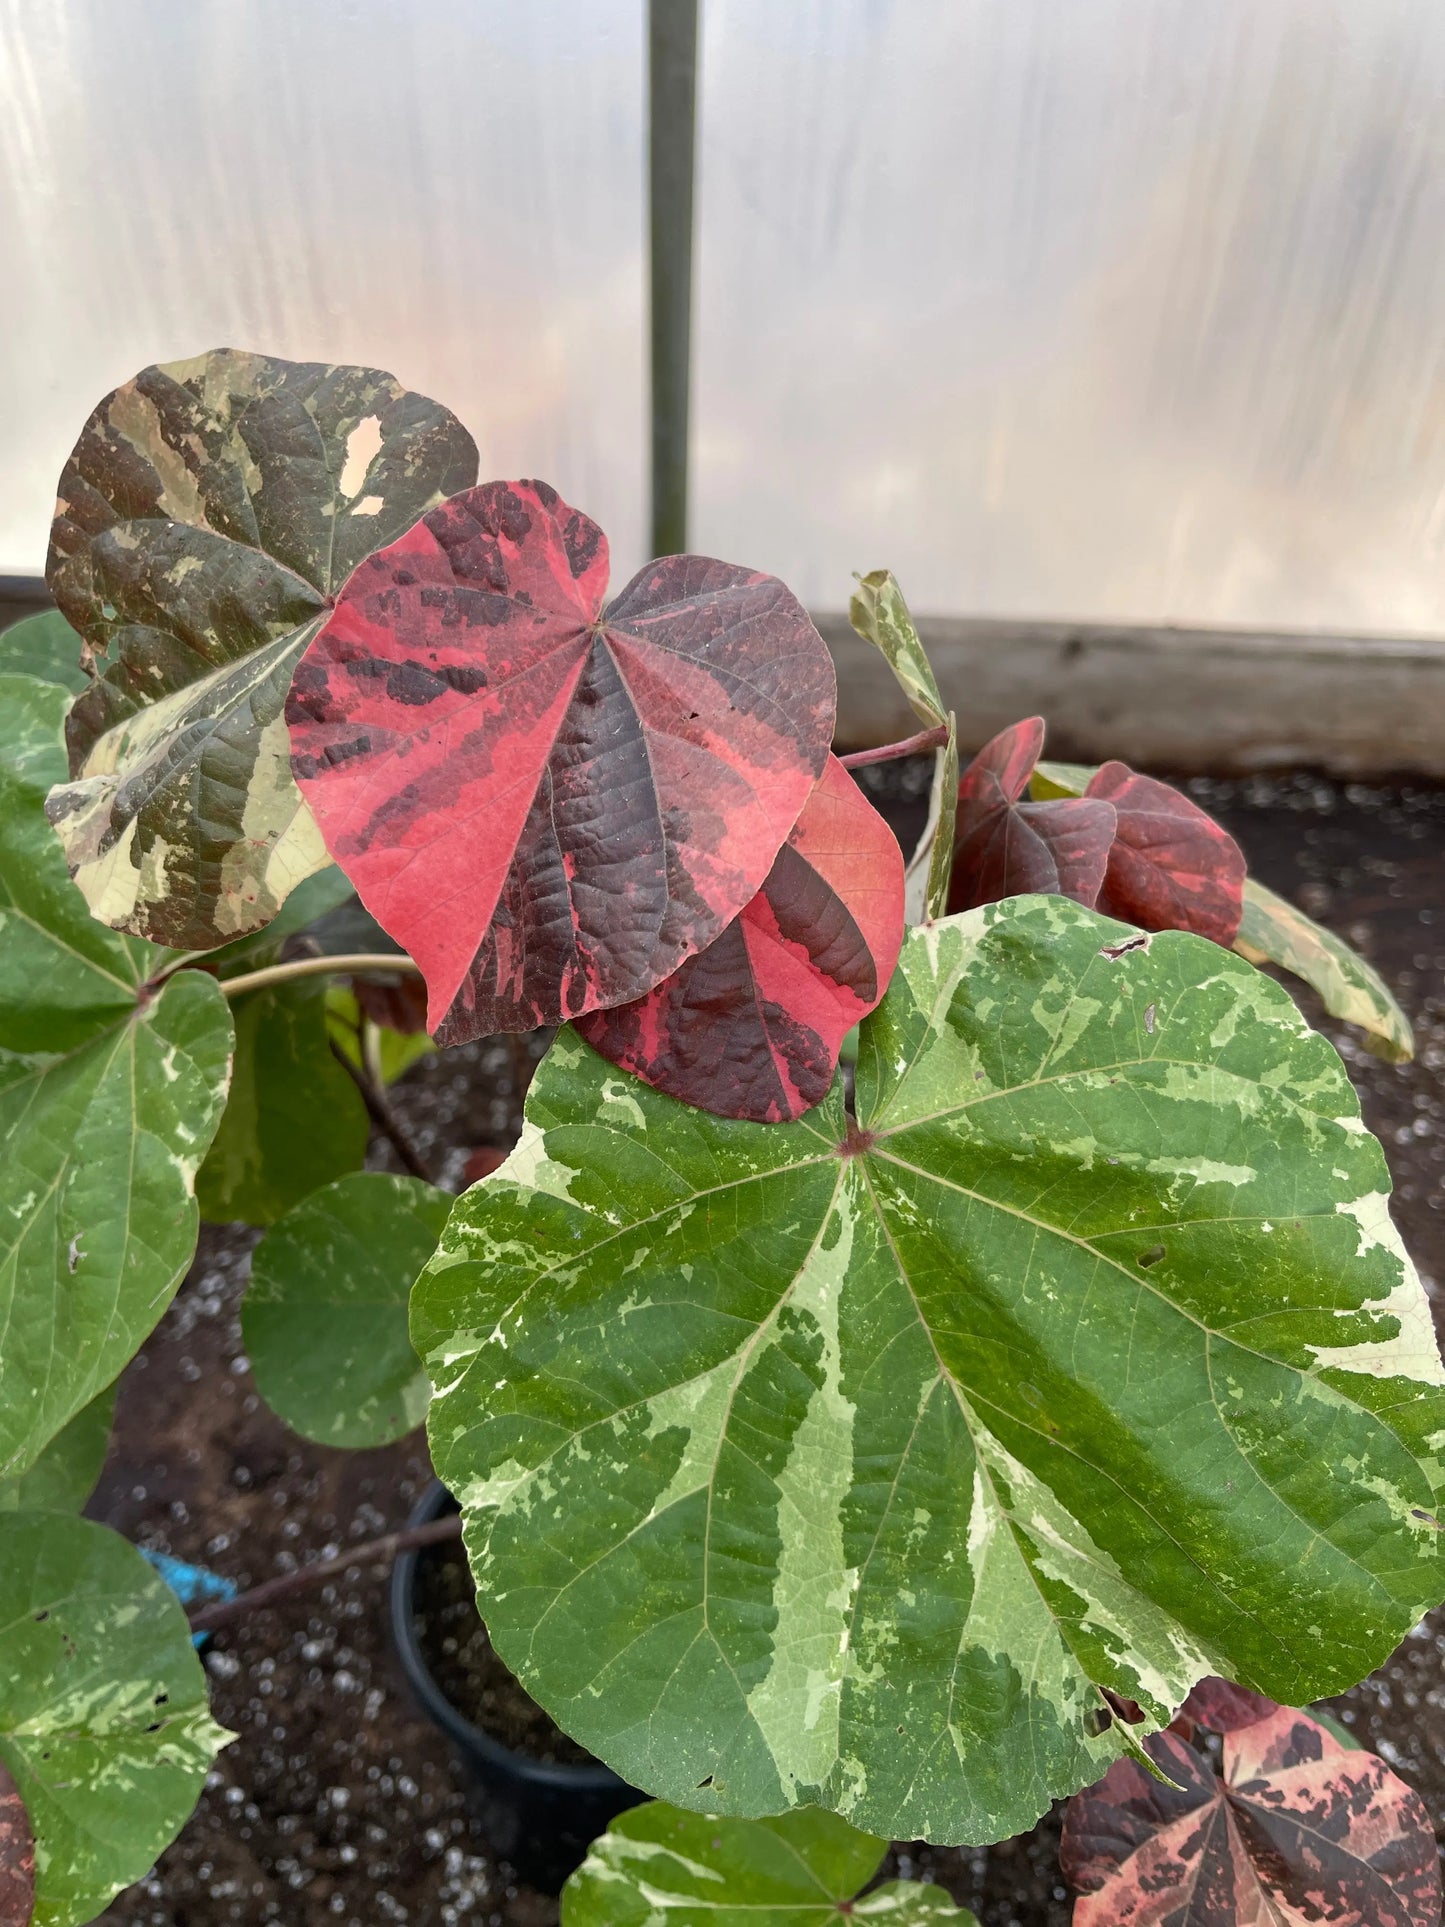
x=934 y=738
x=379 y=1110
x=375 y=1552
x=365 y=963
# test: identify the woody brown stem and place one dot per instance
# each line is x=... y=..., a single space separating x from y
x=376 y=1552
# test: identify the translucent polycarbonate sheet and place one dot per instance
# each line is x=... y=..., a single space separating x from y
x=1115 y=309
x=449 y=190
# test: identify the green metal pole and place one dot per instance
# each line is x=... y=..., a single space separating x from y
x=672 y=129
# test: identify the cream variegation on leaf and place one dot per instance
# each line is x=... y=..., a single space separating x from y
x=877 y=1463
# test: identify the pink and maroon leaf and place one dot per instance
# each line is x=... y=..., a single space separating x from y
x=751 y=1027
x=17 y=1855
x=552 y=805
x=1333 y=1834
x=1172 y=867
x=1006 y=847
x=1300 y=1830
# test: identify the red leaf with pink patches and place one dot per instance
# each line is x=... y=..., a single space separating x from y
x=1172 y=866
x=1005 y=847
x=17 y=1855
x=552 y=805
x=752 y=1026
x=1299 y=1830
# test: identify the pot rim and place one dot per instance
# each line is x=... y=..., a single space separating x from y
x=434 y=1702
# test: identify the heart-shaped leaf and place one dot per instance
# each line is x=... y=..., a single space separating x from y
x=109 y=1097
x=1171 y=866
x=1004 y=847
x=207 y=516
x=64 y=1476
x=103 y=1715
x=325 y=1315
x=1272 y=930
x=857 y=1463
x=548 y=804
x=657 y=1866
x=44 y=646
x=17 y=1856
x=751 y=1027
x=294 y=1119
x=1299 y=1831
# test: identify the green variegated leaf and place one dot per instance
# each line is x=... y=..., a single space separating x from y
x=324 y=1317
x=1273 y=931
x=657 y=1866
x=64 y=1476
x=930 y=868
x=45 y=646
x=858 y=1463
x=880 y=615
x=99 y=1149
x=103 y=1715
x=294 y=1119
x=207 y=516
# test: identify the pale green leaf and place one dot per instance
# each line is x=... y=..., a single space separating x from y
x=45 y=646
x=64 y=1476
x=845 y=1465
x=657 y=1866
x=103 y=1715
x=1059 y=779
x=207 y=515
x=294 y=1120
x=325 y=1316
x=1273 y=931
x=880 y=615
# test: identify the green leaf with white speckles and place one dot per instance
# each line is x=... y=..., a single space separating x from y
x=854 y=1467
x=207 y=516
x=324 y=1318
x=64 y=1476
x=108 y=1100
x=103 y=1715
x=657 y=1866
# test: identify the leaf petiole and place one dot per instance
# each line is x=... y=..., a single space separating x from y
x=926 y=739
x=365 y=963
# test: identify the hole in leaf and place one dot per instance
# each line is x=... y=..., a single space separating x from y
x=1152 y=1256
x=1429 y=1518
x=1114 y=951
x=42 y=1616
x=1130 y=1711
x=703 y=1784
x=1098 y=1720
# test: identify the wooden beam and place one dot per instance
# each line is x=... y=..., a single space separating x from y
x=1191 y=700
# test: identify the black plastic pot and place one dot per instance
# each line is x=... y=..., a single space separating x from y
x=540 y=1818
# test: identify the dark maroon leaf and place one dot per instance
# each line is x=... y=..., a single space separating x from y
x=751 y=1027
x=17 y=1855
x=1006 y=847
x=1224 y=1707
x=398 y=1005
x=1172 y=867
x=552 y=805
x=1299 y=1830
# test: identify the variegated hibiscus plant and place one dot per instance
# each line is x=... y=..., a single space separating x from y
x=847 y=1451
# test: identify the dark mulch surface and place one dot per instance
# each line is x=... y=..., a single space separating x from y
x=338 y=1803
